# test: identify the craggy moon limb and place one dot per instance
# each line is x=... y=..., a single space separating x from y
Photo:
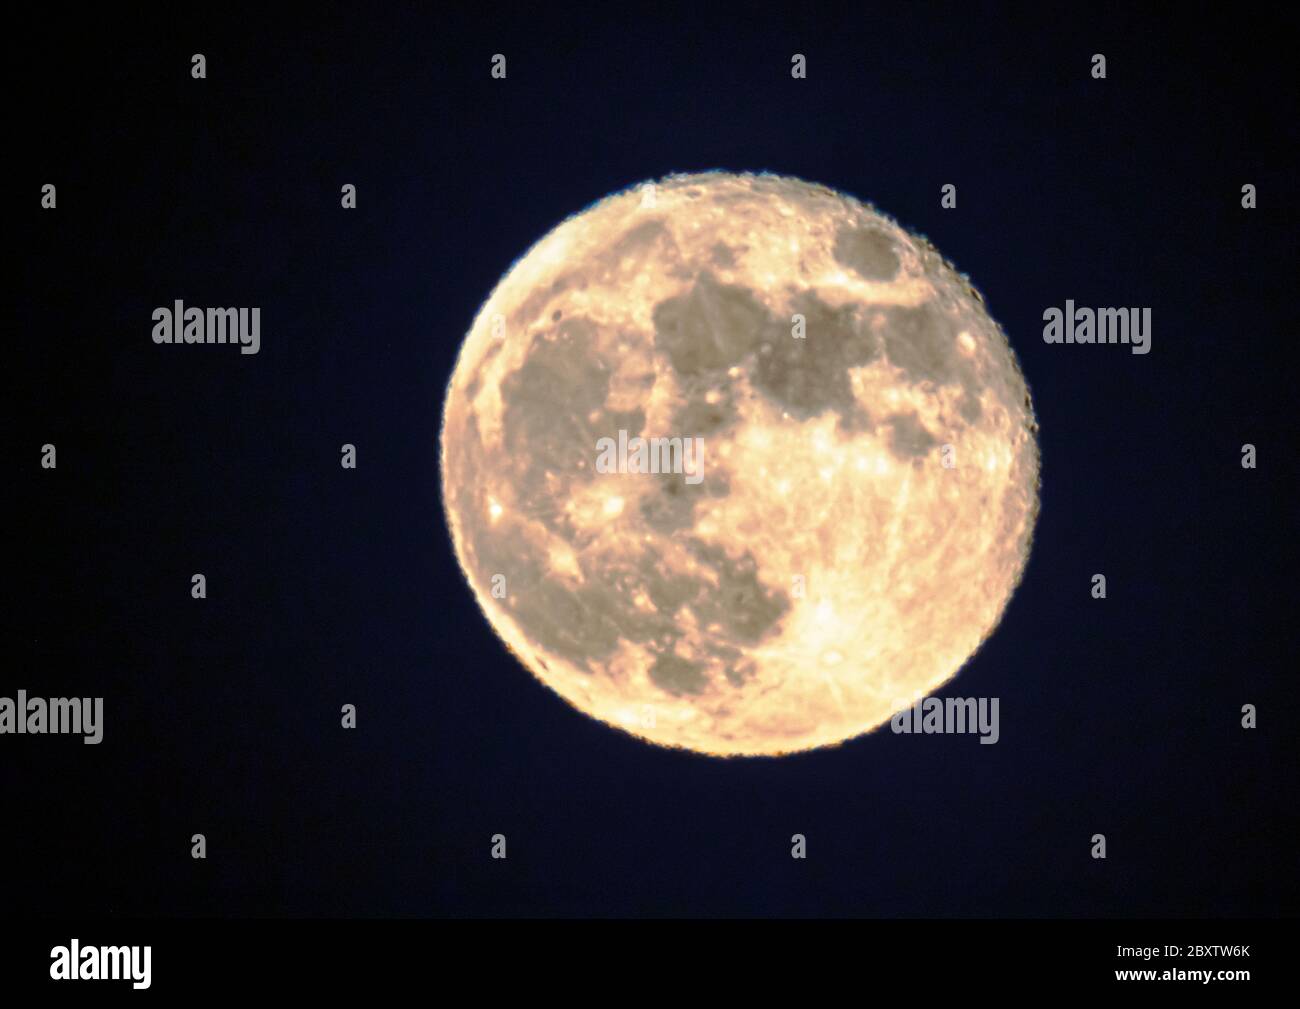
x=869 y=481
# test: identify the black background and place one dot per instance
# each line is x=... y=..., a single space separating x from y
x=328 y=586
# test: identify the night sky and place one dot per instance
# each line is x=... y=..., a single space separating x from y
x=329 y=586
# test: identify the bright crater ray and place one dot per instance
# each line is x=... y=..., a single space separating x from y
x=869 y=489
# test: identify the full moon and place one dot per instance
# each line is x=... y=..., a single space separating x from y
x=735 y=463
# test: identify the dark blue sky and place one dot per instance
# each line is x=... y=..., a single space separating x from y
x=327 y=587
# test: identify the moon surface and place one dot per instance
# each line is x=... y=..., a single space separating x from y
x=864 y=498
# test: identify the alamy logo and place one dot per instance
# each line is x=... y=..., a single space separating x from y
x=950 y=715
x=179 y=324
x=102 y=963
x=1102 y=325
x=35 y=716
x=651 y=455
